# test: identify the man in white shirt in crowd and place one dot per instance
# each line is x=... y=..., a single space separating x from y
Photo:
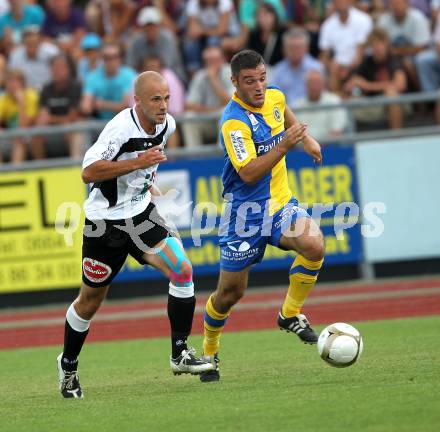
x=343 y=34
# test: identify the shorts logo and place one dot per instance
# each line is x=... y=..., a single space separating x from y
x=238 y=145
x=239 y=246
x=277 y=114
x=96 y=271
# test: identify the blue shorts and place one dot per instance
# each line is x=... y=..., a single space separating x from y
x=238 y=251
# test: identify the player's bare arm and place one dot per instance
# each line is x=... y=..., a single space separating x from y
x=259 y=167
x=311 y=146
x=106 y=170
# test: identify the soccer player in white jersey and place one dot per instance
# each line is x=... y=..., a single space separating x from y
x=122 y=220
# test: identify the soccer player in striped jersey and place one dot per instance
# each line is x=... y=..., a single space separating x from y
x=257 y=131
x=122 y=220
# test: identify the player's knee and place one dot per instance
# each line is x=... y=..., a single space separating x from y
x=186 y=270
x=232 y=295
x=184 y=273
x=315 y=249
x=88 y=304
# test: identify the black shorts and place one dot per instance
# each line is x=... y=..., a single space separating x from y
x=106 y=247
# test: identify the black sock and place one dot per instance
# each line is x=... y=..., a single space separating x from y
x=73 y=342
x=180 y=314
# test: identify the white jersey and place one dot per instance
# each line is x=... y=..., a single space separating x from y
x=123 y=138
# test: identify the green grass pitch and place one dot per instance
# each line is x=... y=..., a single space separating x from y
x=269 y=382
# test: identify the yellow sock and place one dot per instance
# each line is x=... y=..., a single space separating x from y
x=213 y=323
x=303 y=275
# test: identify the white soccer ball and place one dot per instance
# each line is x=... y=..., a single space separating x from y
x=340 y=345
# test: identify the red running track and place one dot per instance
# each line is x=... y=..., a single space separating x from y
x=406 y=300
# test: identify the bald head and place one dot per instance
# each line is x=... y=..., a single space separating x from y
x=146 y=81
x=151 y=95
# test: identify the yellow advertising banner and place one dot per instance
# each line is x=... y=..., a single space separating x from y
x=37 y=250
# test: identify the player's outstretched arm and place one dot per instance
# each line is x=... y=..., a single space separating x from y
x=311 y=146
x=105 y=170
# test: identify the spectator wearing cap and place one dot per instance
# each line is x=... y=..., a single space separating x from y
x=109 y=89
x=65 y=25
x=90 y=61
x=59 y=104
x=154 y=40
x=343 y=33
x=33 y=57
x=18 y=108
x=290 y=74
x=20 y=16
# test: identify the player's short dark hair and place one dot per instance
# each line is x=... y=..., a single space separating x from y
x=246 y=59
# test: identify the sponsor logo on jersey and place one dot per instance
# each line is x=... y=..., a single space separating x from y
x=239 y=246
x=96 y=271
x=277 y=114
x=268 y=145
x=238 y=145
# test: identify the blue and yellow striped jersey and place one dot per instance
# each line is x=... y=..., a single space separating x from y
x=246 y=133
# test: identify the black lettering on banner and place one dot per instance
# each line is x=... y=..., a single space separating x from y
x=43 y=208
x=9 y=205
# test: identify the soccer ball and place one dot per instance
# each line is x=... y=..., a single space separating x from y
x=340 y=345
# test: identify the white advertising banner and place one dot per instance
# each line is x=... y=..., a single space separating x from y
x=404 y=175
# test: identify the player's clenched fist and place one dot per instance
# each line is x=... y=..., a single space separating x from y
x=151 y=157
x=294 y=135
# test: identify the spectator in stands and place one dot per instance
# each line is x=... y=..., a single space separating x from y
x=343 y=33
x=171 y=11
x=64 y=25
x=109 y=89
x=408 y=30
x=111 y=18
x=380 y=73
x=154 y=40
x=435 y=9
x=266 y=37
x=248 y=11
x=4 y=7
x=428 y=63
x=91 y=60
x=290 y=74
x=18 y=108
x=59 y=104
x=209 y=90
x=208 y=22
x=328 y=123
x=33 y=57
x=20 y=16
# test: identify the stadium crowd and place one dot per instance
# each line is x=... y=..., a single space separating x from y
x=62 y=61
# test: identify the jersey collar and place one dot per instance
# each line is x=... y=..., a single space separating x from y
x=235 y=98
